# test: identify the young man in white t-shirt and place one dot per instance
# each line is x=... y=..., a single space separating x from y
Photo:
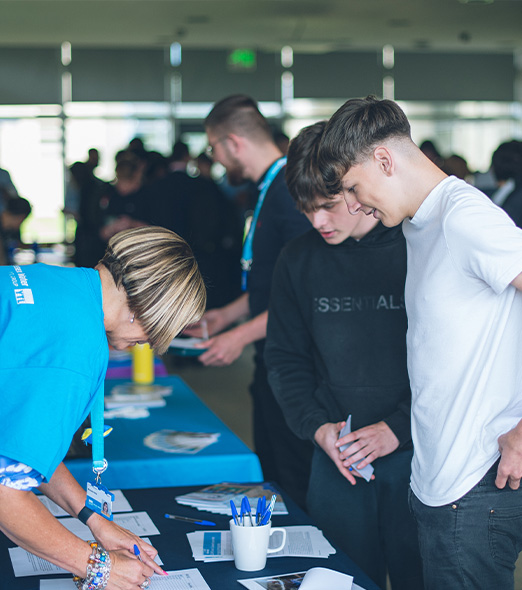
x=464 y=342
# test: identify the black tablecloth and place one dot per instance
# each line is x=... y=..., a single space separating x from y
x=174 y=549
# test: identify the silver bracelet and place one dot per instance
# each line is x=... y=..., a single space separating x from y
x=98 y=569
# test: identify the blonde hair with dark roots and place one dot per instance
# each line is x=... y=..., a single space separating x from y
x=160 y=275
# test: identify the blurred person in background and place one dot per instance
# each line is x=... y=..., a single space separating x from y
x=16 y=211
x=241 y=140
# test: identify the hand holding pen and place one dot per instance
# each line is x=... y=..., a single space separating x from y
x=137 y=553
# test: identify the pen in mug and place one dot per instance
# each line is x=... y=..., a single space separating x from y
x=235 y=515
x=247 y=510
x=193 y=520
x=268 y=512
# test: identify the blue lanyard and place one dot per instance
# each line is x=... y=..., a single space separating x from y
x=99 y=463
x=247 y=255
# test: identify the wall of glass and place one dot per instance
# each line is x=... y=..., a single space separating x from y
x=53 y=110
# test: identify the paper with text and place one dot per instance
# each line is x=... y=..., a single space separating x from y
x=190 y=579
x=119 y=504
x=27 y=564
x=138 y=523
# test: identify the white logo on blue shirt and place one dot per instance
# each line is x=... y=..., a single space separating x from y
x=24 y=296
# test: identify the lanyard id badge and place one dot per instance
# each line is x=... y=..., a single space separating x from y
x=247 y=254
x=99 y=499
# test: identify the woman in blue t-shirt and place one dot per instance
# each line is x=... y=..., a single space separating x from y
x=55 y=327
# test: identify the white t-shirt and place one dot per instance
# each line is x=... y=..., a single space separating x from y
x=464 y=337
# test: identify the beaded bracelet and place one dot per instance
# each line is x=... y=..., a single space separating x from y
x=98 y=569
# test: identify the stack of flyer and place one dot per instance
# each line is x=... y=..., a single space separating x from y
x=216 y=498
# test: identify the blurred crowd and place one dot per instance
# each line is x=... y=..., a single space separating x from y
x=177 y=192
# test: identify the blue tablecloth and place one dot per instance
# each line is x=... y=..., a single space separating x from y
x=133 y=465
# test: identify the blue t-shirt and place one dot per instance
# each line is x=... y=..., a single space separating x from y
x=53 y=359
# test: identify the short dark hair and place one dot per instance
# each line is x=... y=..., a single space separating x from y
x=303 y=179
x=18 y=206
x=353 y=132
x=239 y=114
x=507 y=160
x=180 y=151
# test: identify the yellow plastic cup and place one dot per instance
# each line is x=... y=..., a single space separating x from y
x=142 y=364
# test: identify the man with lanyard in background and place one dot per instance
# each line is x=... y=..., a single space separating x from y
x=241 y=140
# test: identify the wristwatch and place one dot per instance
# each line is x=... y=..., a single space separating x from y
x=84 y=514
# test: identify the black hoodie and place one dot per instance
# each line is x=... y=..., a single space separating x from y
x=336 y=342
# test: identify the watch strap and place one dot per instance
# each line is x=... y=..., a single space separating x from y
x=84 y=514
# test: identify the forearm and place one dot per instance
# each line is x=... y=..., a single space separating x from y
x=252 y=330
x=25 y=520
x=235 y=311
x=65 y=491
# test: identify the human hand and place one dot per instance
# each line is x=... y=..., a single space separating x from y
x=326 y=436
x=115 y=538
x=127 y=571
x=222 y=350
x=211 y=323
x=510 y=467
x=369 y=443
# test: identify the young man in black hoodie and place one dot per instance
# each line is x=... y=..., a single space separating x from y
x=336 y=346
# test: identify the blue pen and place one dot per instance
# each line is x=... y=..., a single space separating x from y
x=245 y=509
x=235 y=515
x=193 y=520
x=258 y=510
x=268 y=512
x=137 y=552
x=261 y=507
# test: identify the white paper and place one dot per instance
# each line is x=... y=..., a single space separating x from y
x=190 y=579
x=156 y=401
x=301 y=541
x=187 y=343
x=176 y=441
x=317 y=578
x=367 y=471
x=129 y=412
x=138 y=523
x=119 y=504
x=27 y=564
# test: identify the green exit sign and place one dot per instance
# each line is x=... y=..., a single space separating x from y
x=242 y=60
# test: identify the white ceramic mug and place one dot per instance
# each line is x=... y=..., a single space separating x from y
x=250 y=545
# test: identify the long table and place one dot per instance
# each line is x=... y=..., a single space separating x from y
x=174 y=549
x=134 y=465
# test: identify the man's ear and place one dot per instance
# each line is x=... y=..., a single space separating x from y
x=384 y=159
x=235 y=143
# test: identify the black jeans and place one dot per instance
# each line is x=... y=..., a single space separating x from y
x=474 y=542
x=370 y=521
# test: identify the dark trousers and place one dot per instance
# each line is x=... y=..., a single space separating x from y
x=370 y=521
x=285 y=458
x=472 y=543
